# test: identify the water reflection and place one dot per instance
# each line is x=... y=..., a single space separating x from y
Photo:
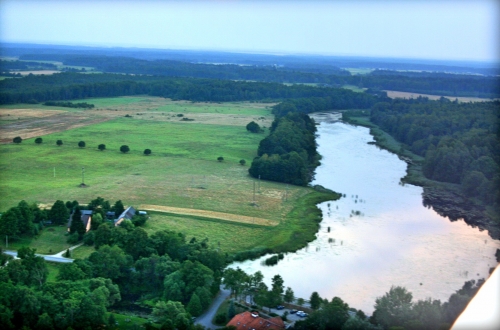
x=379 y=234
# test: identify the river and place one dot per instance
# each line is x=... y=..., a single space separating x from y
x=379 y=234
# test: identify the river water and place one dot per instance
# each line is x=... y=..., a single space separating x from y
x=380 y=234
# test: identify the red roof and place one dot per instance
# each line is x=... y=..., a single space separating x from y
x=249 y=321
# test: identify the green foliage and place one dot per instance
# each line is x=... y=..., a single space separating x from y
x=38 y=140
x=458 y=140
x=253 y=127
x=394 y=308
x=124 y=149
x=220 y=158
x=194 y=306
x=67 y=254
x=58 y=213
x=59 y=142
x=118 y=208
x=17 y=139
x=315 y=300
x=289 y=295
x=289 y=153
x=242 y=162
x=102 y=147
x=69 y=104
x=147 y=152
x=81 y=144
x=77 y=225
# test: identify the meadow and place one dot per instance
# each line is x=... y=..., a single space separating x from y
x=182 y=171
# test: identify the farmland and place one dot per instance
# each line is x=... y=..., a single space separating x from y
x=181 y=173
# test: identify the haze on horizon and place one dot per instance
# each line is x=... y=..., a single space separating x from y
x=440 y=29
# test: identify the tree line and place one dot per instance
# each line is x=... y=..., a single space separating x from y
x=83 y=105
x=70 y=86
x=417 y=82
x=460 y=141
x=288 y=154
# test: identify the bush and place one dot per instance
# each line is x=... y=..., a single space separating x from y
x=253 y=127
x=73 y=238
x=101 y=147
x=59 y=142
x=220 y=158
x=89 y=238
x=147 y=152
x=242 y=162
x=124 y=149
x=38 y=140
x=17 y=139
x=220 y=318
x=81 y=144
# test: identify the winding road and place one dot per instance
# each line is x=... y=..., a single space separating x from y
x=206 y=318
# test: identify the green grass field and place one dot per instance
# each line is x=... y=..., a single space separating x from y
x=182 y=171
x=51 y=240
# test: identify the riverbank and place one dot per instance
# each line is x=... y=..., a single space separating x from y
x=297 y=229
x=444 y=198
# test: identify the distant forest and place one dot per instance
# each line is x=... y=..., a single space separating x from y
x=71 y=86
x=417 y=82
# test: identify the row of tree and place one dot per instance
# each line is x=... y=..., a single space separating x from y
x=288 y=154
x=83 y=105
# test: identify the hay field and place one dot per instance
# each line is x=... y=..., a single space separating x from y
x=409 y=95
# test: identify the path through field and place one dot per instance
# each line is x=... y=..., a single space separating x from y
x=210 y=214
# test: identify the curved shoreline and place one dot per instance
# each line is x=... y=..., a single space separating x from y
x=444 y=198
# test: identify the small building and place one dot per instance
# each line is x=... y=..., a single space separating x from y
x=128 y=214
x=110 y=215
x=252 y=320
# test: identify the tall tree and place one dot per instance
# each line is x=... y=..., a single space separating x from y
x=394 y=308
x=59 y=214
x=76 y=223
x=9 y=222
x=25 y=222
x=315 y=300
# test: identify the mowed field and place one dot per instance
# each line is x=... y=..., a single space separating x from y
x=181 y=179
x=410 y=95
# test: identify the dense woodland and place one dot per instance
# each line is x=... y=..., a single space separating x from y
x=460 y=141
x=70 y=86
x=288 y=154
x=417 y=82
x=173 y=277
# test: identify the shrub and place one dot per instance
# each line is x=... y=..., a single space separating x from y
x=147 y=152
x=253 y=127
x=81 y=144
x=124 y=149
x=220 y=158
x=242 y=162
x=59 y=142
x=17 y=139
x=38 y=140
x=101 y=147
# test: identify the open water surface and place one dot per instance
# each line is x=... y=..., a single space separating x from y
x=380 y=233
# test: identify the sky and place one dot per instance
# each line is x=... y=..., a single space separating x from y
x=437 y=29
